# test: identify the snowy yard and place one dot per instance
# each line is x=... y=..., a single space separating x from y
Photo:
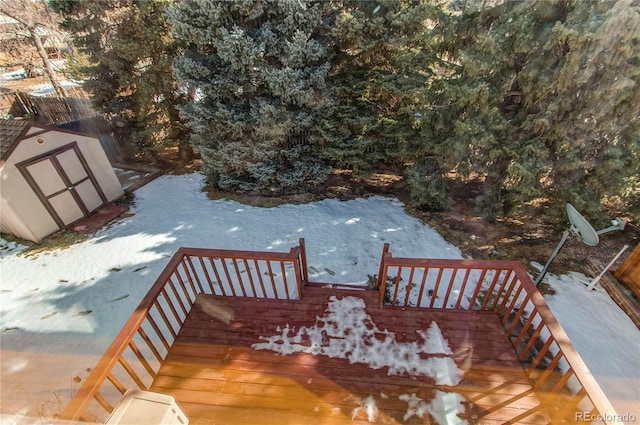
x=61 y=309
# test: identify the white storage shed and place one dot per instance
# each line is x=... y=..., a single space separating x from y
x=50 y=178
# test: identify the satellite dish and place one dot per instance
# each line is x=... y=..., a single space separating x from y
x=581 y=227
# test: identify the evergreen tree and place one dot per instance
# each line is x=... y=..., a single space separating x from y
x=258 y=73
x=590 y=119
x=543 y=102
x=383 y=57
x=129 y=68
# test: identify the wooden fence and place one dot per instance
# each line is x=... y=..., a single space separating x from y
x=72 y=113
x=114 y=140
x=10 y=105
x=135 y=356
x=55 y=110
x=629 y=271
x=559 y=376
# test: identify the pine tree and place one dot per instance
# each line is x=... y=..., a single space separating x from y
x=382 y=59
x=259 y=77
x=543 y=102
x=130 y=50
x=591 y=117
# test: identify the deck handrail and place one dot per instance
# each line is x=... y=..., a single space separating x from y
x=504 y=287
x=550 y=360
x=138 y=350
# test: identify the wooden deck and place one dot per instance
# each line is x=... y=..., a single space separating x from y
x=198 y=331
x=218 y=378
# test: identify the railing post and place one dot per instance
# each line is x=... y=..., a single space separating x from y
x=298 y=276
x=382 y=281
x=303 y=262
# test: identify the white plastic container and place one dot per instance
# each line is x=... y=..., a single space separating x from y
x=139 y=407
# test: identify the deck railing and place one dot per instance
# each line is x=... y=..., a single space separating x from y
x=562 y=381
x=558 y=374
x=135 y=356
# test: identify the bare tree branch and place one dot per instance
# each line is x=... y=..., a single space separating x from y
x=35 y=20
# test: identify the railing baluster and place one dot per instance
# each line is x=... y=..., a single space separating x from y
x=548 y=371
x=465 y=281
x=116 y=383
x=223 y=261
x=512 y=304
x=454 y=273
x=474 y=298
x=239 y=276
x=249 y=275
x=215 y=272
x=422 y=285
x=563 y=381
x=284 y=280
x=187 y=295
x=206 y=274
x=150 y=344
x=156 y=328
x=434 y=293
x=541 y=354
x=499 y=293
x=259 y=274
x=525 y=328
x=409 y=286
x=507 y=294
x=273 y=282
x=516 y=318
x=142 y=359
x=394 y=301
x=532 y=339
x=103 y=402
x=166 y=319
x=489 y=292
x=171 y=286
x=382 y=271
x=132 y=373
x=193 y=276
x=569 y=407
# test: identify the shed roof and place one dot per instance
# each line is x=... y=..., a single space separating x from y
x=10 y=133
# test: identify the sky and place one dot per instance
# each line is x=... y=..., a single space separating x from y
x=60 y=309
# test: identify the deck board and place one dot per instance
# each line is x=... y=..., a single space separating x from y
x=218 y=378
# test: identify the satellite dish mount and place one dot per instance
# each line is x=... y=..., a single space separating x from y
x=581 y=228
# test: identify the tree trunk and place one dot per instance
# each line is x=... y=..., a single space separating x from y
x=48 y=67
x=185 y=151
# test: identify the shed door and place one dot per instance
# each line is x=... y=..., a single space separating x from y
x=64 y=183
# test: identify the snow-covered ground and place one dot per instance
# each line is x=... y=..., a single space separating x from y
x=47 y=88
x=60 y=309
x=20 y=73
